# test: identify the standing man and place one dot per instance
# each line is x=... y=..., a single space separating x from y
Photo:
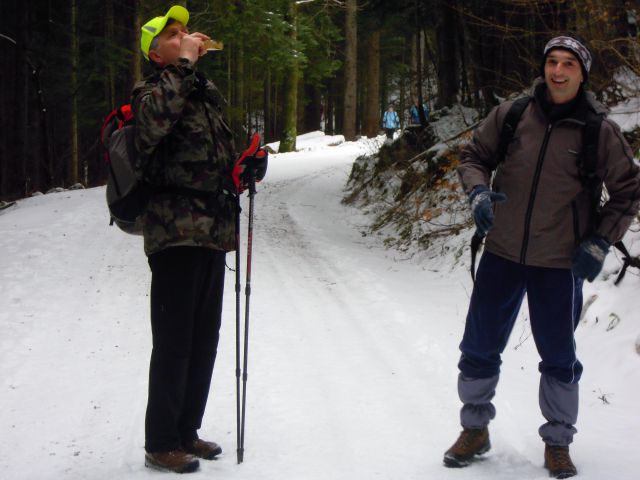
x=543 y=241
x=390 y=122
x=186 y=149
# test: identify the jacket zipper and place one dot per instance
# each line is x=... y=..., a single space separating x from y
x=534 y=190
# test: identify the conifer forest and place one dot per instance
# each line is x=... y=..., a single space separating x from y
x=287 y=67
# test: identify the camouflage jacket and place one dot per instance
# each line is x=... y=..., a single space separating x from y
x=184 y=142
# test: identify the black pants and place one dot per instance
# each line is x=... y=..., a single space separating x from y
x=390 y=132
x=187 y=285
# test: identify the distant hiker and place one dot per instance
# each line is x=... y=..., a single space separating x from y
x=182 y=141
x=414 y=112
x=390 y=122
x=543 y=241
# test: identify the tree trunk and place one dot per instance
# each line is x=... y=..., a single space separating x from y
x=236 y=82
x=73 y=165
x=22 y=96
x=110 y=77
x=44 y=158
x=266 y=105
x=313 y=108
x=515 y=70
x=230 y=55
x=136 y=61
x=372 y=101
x=620 y=25
x=470 y=51
x=350 y=70
x=238 y=96
x=464 y=74
x=4 y=125
x=446 y=54
x=414 y=68
x=246 y=117
x=338 y=104
x=289 y=126
x=419 y=57
x=276 y=124
x=482 y=50
x=403 y=89
x=488 y=59
x=329 y=114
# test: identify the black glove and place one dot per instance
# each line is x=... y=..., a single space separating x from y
x=588 y=258
x=255 y=165
x=481 y=200
x=251 y=164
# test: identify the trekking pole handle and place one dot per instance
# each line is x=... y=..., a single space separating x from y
x=251 y=181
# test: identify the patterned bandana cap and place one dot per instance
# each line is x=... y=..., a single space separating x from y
x=572 y=45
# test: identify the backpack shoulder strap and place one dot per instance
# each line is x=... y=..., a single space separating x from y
x=108 y=127
x=509 y=126
x=119 y=117
x=588 y=162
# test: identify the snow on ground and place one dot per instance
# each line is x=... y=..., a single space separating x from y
x=311 y=141
x=457 y=119
x=352 y=361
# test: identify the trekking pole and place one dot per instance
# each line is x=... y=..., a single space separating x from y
x=476 y=242
x=237 y=228
x=252 y=191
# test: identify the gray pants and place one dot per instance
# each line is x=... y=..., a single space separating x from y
x=558 y=403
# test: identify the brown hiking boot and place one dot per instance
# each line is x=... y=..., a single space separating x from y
x=202 y=449
x=177 y=461
x=558 y=462
x=470 y=443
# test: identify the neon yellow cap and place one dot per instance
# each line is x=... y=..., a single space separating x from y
x=154 y=26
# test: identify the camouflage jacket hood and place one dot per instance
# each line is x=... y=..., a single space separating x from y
x=184 y=142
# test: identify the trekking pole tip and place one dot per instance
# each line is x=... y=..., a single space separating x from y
x=240 y=455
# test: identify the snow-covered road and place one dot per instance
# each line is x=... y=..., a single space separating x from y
x=339 y=341
x=352 y=360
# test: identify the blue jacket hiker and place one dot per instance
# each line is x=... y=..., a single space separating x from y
x=390 y=122
x=415 y=114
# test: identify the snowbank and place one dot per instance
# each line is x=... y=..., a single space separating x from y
x=310 y=141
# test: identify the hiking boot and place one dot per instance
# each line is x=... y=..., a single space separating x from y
x=470 y=443
x=558 y=462
x=177 y=461
x=202 y=449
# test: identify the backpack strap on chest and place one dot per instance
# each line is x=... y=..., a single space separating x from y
x=509 y=126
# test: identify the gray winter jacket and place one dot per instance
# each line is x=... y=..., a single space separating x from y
x=547 y=211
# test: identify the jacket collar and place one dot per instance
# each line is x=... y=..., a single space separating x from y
x=586 y=101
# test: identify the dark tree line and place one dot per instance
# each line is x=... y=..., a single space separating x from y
x=287 y=67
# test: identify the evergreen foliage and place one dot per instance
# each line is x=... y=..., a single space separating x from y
x=468 y=51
